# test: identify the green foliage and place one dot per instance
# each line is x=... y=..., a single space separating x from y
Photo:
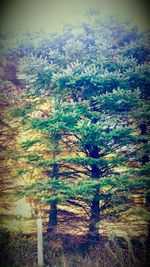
x=117 y=101
x=21 y=112
x=31 y=158
x=30 y=143
x=97 y=83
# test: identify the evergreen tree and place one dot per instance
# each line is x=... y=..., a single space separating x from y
x=98 y=77
x=98 y=132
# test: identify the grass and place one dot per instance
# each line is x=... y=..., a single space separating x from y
x=19 y=250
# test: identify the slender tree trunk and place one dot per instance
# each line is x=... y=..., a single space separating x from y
x=93 y=232
x=52 y=216
x=53 y=220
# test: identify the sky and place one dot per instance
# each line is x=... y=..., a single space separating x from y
x=51 y=14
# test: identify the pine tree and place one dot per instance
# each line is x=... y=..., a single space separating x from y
x=98 y=131
x=98 y=77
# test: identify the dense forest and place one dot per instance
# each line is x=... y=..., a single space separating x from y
x=75 y=144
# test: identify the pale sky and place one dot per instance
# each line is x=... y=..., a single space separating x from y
x=51 y=14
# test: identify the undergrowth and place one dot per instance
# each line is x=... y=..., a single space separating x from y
x=18 y=250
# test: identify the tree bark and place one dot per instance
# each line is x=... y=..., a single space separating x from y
x=52 y=216
x=93 y=232
x=53 y=220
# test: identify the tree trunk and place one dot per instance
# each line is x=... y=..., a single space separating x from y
x=93 y=232
x=52 y=216
x=53 y=205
